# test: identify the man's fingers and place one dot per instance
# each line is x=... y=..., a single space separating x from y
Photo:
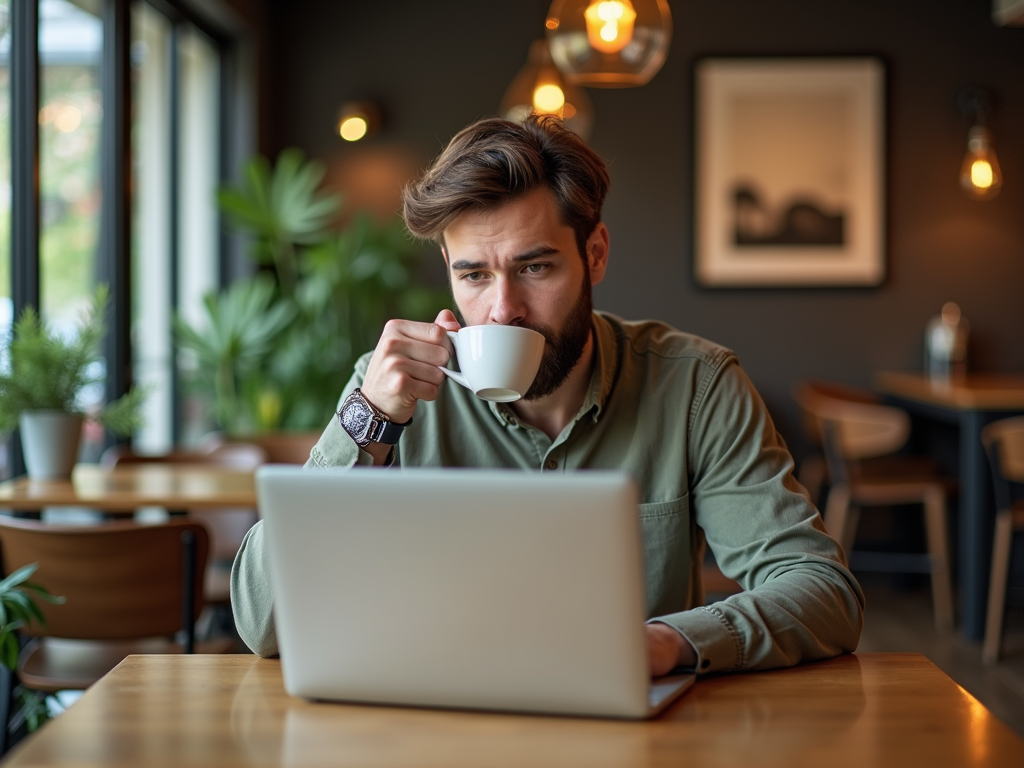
x=447 y=320
x=431 y=333
x=395 y=348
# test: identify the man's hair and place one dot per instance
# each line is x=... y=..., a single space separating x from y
x=495 y=161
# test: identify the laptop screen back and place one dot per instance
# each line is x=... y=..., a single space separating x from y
x=492 y=589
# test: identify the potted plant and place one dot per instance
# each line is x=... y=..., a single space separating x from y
x=18 y=607
x=276 y=349
x=43 y=377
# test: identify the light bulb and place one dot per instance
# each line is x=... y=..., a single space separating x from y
x=610 y=24
x=980 y=176
x=353 y=128
x=539 y=87
x=609 y=43
x=548 y=99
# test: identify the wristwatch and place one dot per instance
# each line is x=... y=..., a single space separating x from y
x=365 y=424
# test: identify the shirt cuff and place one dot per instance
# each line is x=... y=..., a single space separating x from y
x=718 y=643
x=336 y=448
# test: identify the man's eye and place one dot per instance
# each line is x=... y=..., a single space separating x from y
x=472 y=276
x=534 y=269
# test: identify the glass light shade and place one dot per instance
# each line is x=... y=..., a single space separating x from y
x=609 y=43
x=539 y=87
x=980 y=175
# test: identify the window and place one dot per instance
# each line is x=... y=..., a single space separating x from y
x=177 y=57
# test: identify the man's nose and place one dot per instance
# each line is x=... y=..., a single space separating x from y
x=508 y=307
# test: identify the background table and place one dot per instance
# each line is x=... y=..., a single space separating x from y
x=968 y=405
x=125 y=489
x=870 y=710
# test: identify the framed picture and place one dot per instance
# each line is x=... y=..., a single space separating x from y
x=789 y=172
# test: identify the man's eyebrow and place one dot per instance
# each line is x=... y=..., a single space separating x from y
x=536 y=253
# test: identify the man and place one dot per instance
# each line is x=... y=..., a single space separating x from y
x=516 y=210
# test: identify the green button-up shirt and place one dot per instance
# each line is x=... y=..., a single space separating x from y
x=679 y=415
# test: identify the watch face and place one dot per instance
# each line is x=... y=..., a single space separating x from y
x=355 y=418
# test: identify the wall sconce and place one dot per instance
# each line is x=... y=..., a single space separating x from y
x=980 y=175
x=539 y=87
x=609 y=43
x=358 y=120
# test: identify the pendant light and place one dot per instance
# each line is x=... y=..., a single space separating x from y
x=609 y=43
x=540 y=88
x=980 y=175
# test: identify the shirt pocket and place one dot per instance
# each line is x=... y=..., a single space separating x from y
x=667 y=541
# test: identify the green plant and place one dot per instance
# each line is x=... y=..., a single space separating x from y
x=276 y=349
x=45 y=371
x=18 y=608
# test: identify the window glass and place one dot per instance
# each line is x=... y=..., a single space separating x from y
x=151 y=212
x=198 y=236
x=70 y=115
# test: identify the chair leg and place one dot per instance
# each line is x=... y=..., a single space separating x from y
x=938 y=550
x=841 y=517
x=1001 y=546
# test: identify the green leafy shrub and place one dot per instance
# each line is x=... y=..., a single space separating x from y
x=45 y=371
x=18 y=608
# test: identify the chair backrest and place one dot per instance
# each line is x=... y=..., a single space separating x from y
x=1005 y=439
x=851 y=430
x=122 y=580
x=809 y=392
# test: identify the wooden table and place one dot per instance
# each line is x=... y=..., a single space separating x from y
x=969 y=405
x=125 y=489
x=869 y=710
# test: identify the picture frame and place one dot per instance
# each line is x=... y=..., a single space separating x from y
x=789 y=172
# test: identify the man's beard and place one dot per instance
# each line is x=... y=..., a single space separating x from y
x=563 y=349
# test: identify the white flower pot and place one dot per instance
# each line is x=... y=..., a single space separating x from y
x=49 y=441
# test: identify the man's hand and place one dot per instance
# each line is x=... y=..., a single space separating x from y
x=667 y=649
x=404 y=366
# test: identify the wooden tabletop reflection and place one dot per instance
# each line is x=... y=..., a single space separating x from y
x=123 y=489
x=978 y=391
x=868 y=710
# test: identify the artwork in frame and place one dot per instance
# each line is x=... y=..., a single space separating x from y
x=789 y=169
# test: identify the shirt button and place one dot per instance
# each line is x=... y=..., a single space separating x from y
x=551 y=464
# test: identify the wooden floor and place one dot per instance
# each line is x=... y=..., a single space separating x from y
x=899 y=618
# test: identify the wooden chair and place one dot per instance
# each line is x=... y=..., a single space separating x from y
x=227 y=527
x=855 y=436
x=129 y=588
x=813 y=470
x=1004 y=442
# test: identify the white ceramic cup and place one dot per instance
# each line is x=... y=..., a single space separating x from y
x=496 y=362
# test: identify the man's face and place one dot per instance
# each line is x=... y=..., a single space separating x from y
x=519 y=265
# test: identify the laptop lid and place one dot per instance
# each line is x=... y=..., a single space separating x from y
x=489 y=589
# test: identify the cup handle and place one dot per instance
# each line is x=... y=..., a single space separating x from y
x=455 y=375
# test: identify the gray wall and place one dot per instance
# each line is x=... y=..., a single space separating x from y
x=439 y=65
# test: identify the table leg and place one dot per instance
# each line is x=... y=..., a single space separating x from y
x=975 y=526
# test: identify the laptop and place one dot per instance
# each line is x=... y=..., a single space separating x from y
x=461 y=588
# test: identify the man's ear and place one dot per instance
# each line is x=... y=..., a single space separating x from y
x=597 y=253
x=444 y=253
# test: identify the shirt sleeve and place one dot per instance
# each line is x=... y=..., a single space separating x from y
x=251 y=596
x=800 y=601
